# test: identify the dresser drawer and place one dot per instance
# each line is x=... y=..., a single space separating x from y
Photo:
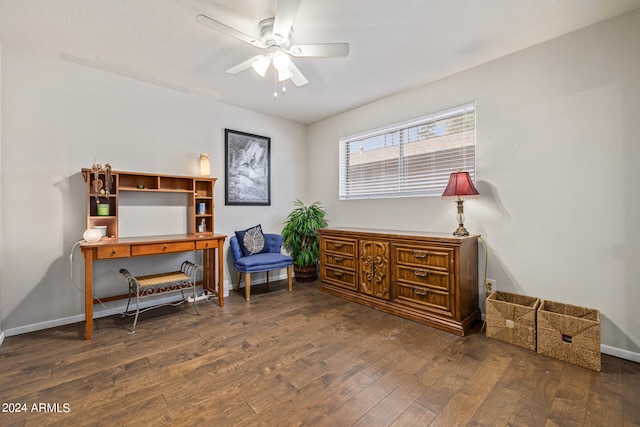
x=424 y=297
x=436 y=258
x=343 y=246
x=423 y=277
x=339 y=277
x=161 y=248
x=115 y=251
x=339 y=260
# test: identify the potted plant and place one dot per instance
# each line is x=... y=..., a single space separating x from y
x=300 y=236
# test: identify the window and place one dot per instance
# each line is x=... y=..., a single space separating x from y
x=409 y=159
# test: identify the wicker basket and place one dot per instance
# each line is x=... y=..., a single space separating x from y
x=512 y=318
x=569 y=333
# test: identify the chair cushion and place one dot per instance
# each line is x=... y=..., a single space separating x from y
x=252 y=241
x=263 y=262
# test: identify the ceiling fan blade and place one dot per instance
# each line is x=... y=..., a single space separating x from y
x=320 y=50
x=297 y=78
x=285 y=14
x=244 y=65
x=219 y=26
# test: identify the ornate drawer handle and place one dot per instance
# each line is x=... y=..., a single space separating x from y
x=338 y=258
x=420 y=254
x=337 y=244
x=337 y=273
x=421 y=273
x=421 y=292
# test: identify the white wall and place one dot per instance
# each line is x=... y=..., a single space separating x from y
x=557 y=156
x=58 y=117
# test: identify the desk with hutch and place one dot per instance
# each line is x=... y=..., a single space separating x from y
x=199 y=190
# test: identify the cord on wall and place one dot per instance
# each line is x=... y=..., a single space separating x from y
x=484 y=282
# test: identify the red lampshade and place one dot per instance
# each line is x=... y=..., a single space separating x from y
x=460 y=186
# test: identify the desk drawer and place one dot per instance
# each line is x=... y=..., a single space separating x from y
x=161 y=248
x=206 y=244
x=115 y=251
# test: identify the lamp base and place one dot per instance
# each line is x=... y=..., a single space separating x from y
x=461 y=231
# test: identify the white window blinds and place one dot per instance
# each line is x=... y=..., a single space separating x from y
x=409 y=159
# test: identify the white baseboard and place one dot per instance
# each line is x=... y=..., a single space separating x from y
x=618 y=352
x=98 y=312
x=272 y=278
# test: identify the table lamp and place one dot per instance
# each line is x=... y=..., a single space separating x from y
x=205 y=165
x=460 y=187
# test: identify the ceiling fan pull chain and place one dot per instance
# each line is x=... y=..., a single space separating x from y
x=275 y=86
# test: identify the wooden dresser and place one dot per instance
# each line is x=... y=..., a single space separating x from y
x=431 y=278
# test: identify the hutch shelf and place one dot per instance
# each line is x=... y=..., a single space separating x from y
x=102 y=203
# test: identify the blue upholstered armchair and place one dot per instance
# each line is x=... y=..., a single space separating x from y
x=261 y=262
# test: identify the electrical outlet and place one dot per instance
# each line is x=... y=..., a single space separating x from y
x=490 y=286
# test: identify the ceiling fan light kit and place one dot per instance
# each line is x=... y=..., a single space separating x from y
x=275 y=39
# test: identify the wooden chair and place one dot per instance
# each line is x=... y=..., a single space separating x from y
x=260 y=263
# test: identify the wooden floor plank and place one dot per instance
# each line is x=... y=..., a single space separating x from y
x=299 y=358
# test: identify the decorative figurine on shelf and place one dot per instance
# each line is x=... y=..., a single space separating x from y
x=100 y=187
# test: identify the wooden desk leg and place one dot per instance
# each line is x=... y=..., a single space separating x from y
x=208 y=283
x=221 y=272
x=88 y=293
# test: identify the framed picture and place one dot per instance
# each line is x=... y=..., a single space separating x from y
x=247 y=169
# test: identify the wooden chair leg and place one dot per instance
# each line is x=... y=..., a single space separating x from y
x=238 y=281
x=289 y=277
x=267 y=280
x=247 y=286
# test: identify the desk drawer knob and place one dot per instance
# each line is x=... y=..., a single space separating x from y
x=113 y=252
x=164 y=248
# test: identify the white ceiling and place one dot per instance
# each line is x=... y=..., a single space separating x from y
x=395 y=44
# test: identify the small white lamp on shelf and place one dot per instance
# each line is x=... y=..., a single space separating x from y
x=205 y=165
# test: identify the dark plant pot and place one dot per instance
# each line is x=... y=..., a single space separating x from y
x=307 y=273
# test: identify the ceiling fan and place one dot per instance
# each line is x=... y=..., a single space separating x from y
x=275 y=39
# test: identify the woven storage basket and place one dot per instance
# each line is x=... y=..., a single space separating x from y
x=512 y=318
x=569 y=333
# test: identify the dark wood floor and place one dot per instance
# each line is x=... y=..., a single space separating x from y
x=301 y=358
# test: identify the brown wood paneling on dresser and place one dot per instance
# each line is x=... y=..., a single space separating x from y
x=431 y=278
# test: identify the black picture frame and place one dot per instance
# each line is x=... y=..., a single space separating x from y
x=247 y=165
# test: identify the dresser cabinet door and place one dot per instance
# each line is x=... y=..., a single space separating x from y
x=374 y=269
